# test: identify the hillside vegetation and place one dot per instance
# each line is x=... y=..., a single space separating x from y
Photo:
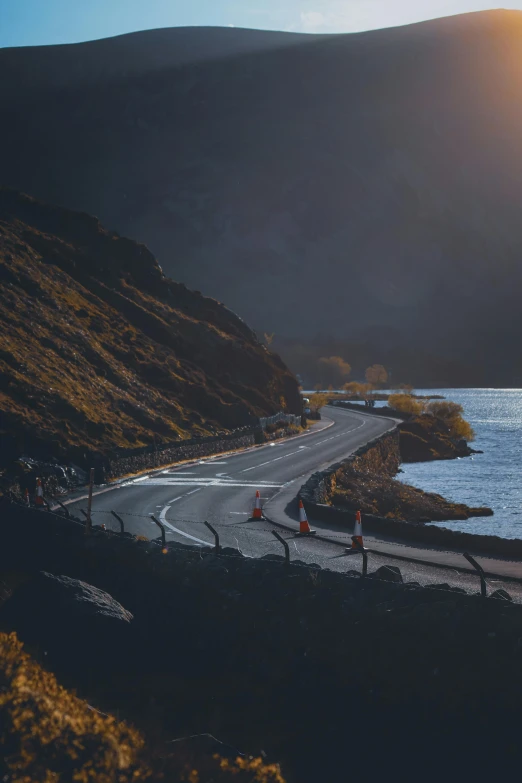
x=359 y=187
x=100 y=351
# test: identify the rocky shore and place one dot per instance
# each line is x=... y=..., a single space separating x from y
x=366 y=481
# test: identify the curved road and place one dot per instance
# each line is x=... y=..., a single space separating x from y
x=221 y=490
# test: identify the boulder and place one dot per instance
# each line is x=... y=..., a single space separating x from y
x=501 y=595
x=73 y=622
x=387 y=573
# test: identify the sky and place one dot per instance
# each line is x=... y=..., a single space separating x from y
x=35 y=22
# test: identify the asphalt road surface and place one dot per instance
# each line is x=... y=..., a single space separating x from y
x=221 y=490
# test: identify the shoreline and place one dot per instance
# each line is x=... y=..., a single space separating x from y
x=432 y=534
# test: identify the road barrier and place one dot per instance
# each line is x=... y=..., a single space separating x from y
x=162 y=528
x=358 y=547
x=480 y=571
x=120 y=520
x=216 y=537
x=293 y=536
x=285 y=545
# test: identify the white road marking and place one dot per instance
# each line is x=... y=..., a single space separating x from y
x=180 y=532
x=211 y=482
x=269 y=462
x=194 y=490
x=221 y=475
x=241 y=513
x=178 y=498
x=142 y=478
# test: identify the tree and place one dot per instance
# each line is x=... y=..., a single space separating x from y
x=405 y=403
x=334 y=371
x=357 y=389
x=318 y=401
x=376 y=375
x=269 y=338
x=451 y=415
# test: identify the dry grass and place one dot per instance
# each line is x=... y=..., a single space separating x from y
x=47 y=734
x=99 y=351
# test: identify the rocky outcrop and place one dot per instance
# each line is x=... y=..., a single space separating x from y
x=74 y=622
x=365 y=482
x=102 y=354
x=425 y=438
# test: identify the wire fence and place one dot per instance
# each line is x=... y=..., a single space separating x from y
x=249 y=543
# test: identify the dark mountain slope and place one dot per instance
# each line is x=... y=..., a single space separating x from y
x=98 y=350
x=363 y=186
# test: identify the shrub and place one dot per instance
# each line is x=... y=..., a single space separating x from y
x=451 y=414
x=47 y=734
x=405 y=403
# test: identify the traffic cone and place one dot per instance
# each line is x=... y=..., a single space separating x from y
x=258 y=511
x=304 y=527
x=27 y=499
x=39 y=499
x=357 y=533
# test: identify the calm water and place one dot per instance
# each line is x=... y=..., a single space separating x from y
x=491 y=479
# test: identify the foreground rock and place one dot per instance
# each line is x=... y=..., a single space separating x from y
x=73 y=622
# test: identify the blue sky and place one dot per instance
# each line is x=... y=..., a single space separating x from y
x=30 y=22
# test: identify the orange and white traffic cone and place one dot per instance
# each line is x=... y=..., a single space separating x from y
x=257 y=513
x=27 y=499
x=304 y=527
x=357 y=533
x=39 y=499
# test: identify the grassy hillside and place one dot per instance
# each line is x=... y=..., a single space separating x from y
x=363 y=187
x=99 y=350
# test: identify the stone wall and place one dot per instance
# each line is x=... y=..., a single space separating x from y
x=381 y=455
x=184 y=450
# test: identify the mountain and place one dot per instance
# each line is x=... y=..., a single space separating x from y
x=360 y=188
x=100 y=351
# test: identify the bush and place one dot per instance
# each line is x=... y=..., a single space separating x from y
x=47 y=733
x=451 y=414
x=406 y=404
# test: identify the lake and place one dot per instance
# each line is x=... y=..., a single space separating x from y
x=491 y=479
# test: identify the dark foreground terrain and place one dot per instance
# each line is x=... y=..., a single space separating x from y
x=330 y=674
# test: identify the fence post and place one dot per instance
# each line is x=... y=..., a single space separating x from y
x=478 y=568
x=88 y=527
x=120 y=520
x=62 y=506
x=162 y=528
x=216 y=537
x=364 y=553
x=287 y=550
